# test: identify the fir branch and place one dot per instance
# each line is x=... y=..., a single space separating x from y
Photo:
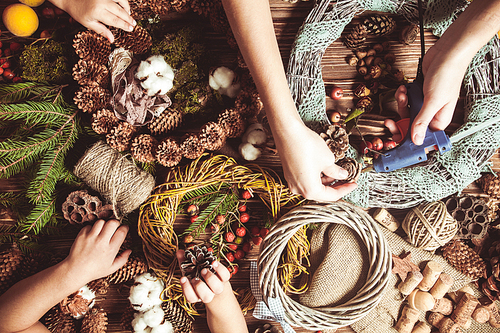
x=14 y=93
x=12 y=235
x=43 y=213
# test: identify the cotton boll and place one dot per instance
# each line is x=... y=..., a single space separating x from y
x=166 y=327
x=157 y=76
x=145 y=278
x=139 y=297
x=221 y=77
x=232 y=91
x=255 y=134
x=249 y=152
x=154 y=316
x=138 y=323
x=157 y=85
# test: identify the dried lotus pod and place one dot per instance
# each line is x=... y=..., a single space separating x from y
x=197 y=258
x=168 y=153
x=212 y=136
x=88 y=72
x=89 y=45
x=143 y=148
x=138 y=41
x=81 y=207
x=352 y=167
x=191 y=146
x=92 y=98
x=472 y=215
x=336 y=139
x=232 y=122
x=103 y=121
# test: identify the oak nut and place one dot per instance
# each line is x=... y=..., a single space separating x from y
x=378 y=61
x=365 y=103
x=360 y=62
x=353 y=60
x=363 y=70
x=390 y=58
x=371 y=52
x=375 y=71
x=379 y=48
x=361 y=54
x=361 y=91
x=369 y=60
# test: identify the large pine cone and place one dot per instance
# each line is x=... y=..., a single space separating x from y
x=336 y=139
x=212 y=136
x=141 y=9
x=90 y=46
x=10 y=264
x=136 y=265
x=92 y=98
x=379 y=25
x=144 y=148
x=463 y=258
x=181 y=321
x=103 y=121
x=168 y=153
x=202 y=7
x=96 y=321
x=232 y=122
x=57 y=322
x=138 y=41
x=191 y=146
x=490 y=184
x=88 y=72
x=167 y=121
x=120 y=136
x=356 y=38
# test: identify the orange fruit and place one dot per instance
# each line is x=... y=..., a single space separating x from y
x=19 y=19
x=32 y=3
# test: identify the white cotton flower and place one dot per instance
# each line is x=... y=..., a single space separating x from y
x=249 y=151
x=138 y=323
x=255 y=134
x=166 y=327
x=154 y=316
x=156 y=75
x=222 y=80
x=139 y=297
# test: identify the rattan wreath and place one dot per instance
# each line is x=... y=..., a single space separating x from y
x=369 y=295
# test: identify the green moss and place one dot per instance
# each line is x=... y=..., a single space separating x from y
x=188 y=72
x=45 y=62
x=196 y=98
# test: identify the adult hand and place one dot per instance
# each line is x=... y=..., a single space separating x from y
x=97 y=14
x=309 y=166
x=94 y=252
x=198 y=290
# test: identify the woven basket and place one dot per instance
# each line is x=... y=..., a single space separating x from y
x=368 y=296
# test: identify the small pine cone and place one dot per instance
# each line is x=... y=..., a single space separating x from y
x=168 y=153
x=408 y=34
x=126 y=319
x=181 y=321
x=88 y=72
x=89 y=45
x=356 y=38
x=160 y=7
x=195 y=260
x=144 y=148
x=10 y=264
x=167 y=121
x=103 y=121
x=212 y=136
x=464 y=259
x=336 y=139
x=180 y=6
x=232 y=123
x=141 y=9
x=120 y=136
x=191 y=146
x=379 y=25
x=248 y=103
x=201 y=7
x=138 y=41
x=490 y=184
x=135 y=265
x=99 y=286
x=353 y=168
x=96 y=321
x=57 y=322
x=92 y=98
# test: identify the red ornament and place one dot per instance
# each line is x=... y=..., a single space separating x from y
x=264 y=232
x=389 y=144
x=337 y=93
x=7 y=73
x=244 y=218
x=17 y=79
x=257 y=240
x=246 y=195
x=233 y=270
x=188 y=239
x=364 y=146
x=229 y=237
x=239 y=254
x=1 y=70
x=6 y=64
x=241 y=231
x=377 y=143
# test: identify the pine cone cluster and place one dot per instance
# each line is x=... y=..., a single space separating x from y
x=143 y=148
x=90 y=46
x=166 y=122
x=490 y=184
x=120 y=136
x=103 y=121
x=464 y=259
x=89 y=72
x=181 y=321
x=196 y=259
x=135 y=265
x=168 y=153
x=96 y=321
x=336 y=139
x=138 y=41
x=92 y=98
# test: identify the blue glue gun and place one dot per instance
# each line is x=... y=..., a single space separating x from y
x=407 y=153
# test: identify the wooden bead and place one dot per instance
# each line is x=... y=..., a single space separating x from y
x=465 y=307
x=421 y=327
x=447 y=325
x=442 y=285
x=386 y=219
x=481 y=314
x=421 y=300
x=443 y=306
x=410 y=283
x=407 y=320
x=431 y=273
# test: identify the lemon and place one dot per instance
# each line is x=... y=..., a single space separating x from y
x=19 y=19
x=32 y=3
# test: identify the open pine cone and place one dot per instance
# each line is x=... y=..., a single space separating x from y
x=490 y=285
x=92 y=98
x=181 y=321
x=464 y=259
x=88 y=72
x=58 y=322
x=232 y=122
x=136 y=265
x=167 y=121
x=191 y=146
x=201 y=7
x=138 y=41
x=356 y=38
x=336 y=139
x=103 y=121
x=120 y=136
x=248 y=102
x=212 y=136
x=96 y=321
x=353 y=168
x=10 y=263
x=89 y=45
x=197 y=258
x=490 y=184
x=168 y=153
x=143 y=148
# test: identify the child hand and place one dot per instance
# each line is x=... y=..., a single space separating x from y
x=198 y=291
x=94 y=252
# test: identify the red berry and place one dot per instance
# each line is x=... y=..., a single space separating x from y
x=210 y=249
x=246 y=194
x=7 y=52
x=247 y=247
x=337 y=93
x=233 y=270
x=214 y=228
x=233 y=247
x=194 y=218
x=229 y=237
x=239 y=254
x=1 y=44
x=7 y=73
x=220 y=219
x=255 y=231
x=244 y=218
x=48 y=13
x=389 y=144
x=377 y=143
x=1 y=70
x=6 y=64
x=17 y=79
x=58 y=11
x=1 y=51
x=242 y=208
x=364 y=146
x=193 y=210
x=241 y=231
x=264 y=232
x=14 y=46
x=257 y=240
x=230 y=257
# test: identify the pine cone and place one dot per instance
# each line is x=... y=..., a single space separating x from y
x=161 y=7
x=379 y=25
x=10 y=264
x=92 y=98
x=96 y=321
x=336 y=139
x=168 y=153
x=75 y=305
x=126 y=319
x=180 y=5
x=197 y=258
x=408 y=34
x=490 y=184
x=232 y=123
x=57 y=322
x=103 y=121
x=248 y=103
x=490 y=285
x=202 y=7
x=167 y=121
x=464 y=259
x=356 y=38
x=141 y=9
x=353 y=168
x=138 y=41
x=144 y=148
x=181 y=321
x=99 y=286
x=88 y=72
x=89 y=45
x=191 y=146
x=120 y=136
x=135 y=265
x=212 y=136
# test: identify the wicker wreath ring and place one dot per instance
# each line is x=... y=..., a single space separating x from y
x=369 y=295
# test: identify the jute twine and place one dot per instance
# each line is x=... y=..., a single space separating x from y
x=115 y=177
x=430 y=226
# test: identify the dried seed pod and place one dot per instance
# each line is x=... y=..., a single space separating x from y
x=365 y=103
x=361 y=91
x=363 y=70
x=353 y=60
x=375 y=71
x=379 y=48
x=371 y=53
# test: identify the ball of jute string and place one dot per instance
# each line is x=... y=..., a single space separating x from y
x=115 y=177
x=429 y=226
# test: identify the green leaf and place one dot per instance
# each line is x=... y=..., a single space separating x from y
x=354 y=114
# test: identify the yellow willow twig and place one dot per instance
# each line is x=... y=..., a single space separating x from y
x=245 y=299
x=297 y=249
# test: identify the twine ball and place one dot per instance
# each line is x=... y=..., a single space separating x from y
x=429 y=226
x=115 y=177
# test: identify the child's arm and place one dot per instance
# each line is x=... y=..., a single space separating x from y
x=92 y=256
x=223 y=311
x=96 y=14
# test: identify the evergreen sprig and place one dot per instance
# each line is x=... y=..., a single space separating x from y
x=12 y=235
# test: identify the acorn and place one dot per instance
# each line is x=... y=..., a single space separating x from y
x=361 y=54
x=371 y=52
x=353 y=60
x=361 y=91
x=363 y=70
x=375 y=71
x=390 y=58
x=379 y=48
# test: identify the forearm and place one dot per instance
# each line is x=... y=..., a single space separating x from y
x=224 y=312
x=27 y=301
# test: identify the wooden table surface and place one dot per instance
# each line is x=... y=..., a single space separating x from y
x=336 y=72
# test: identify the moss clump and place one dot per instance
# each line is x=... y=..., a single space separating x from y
x=187 y=73
x=196 y=98
x=45 y=63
